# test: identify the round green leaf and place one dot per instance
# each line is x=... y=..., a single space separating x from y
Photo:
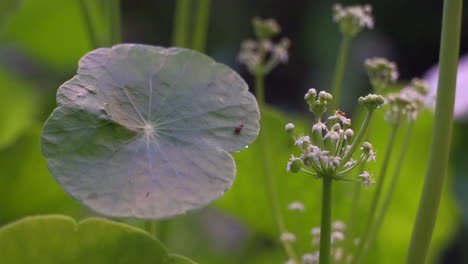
x=146 y=131
x=59 y=239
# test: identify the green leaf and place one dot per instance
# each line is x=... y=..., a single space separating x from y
x=146 y=131
x=59 y=239
x=26 y=186
x=17 y=104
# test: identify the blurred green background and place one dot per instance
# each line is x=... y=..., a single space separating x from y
x=41 y=42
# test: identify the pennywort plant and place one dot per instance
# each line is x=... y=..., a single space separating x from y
x=327 y=154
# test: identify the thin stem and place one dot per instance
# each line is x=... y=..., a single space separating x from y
x=115 y=26
x=376 y=198
x=85 y=11
x=180 y=31
x=442 y=133
x=151 y=226
x=268 y=172
x=394 y=180
x=325 y=223
x=339 y=72
x=201 y=25
x=359 y=137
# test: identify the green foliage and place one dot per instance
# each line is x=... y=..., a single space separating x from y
x=7 y=8
x=26 y=186
x=17 y=102
x=59 y=239
x=51 y=31
x=158 y=126
x=396 y=230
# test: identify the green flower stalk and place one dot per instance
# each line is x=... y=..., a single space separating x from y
x=327 y=152
x=402 y=106
x=442 y=133
x=261 y=56
x=351 y=20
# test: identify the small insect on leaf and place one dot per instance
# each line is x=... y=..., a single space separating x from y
x=238 y=128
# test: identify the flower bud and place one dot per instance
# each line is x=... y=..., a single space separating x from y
x=421 y=86
x=381 y=72
x=294 y=164
x=353 y=19
x=349 y=132
x=265 y=28
x=366 y=146
x=371 y=101
x=325 y=97
x=309 y=97
x=290 y=127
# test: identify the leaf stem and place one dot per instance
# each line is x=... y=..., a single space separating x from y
x=180 y=31
x=93 y=39
x=270 y=184
x=363 y=244
x=394 y=180
x=339 y=71
x=325 y=223
x=201 y=25
x=115 y=26
x=442 y=133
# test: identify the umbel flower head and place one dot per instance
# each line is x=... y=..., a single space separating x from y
x=327 y=150
x=381 y=72
x=353 y=19
x=262 y=55
x=406 y=104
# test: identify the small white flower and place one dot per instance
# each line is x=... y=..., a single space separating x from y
x=315 y=231
x=300 y=141
x=334 y=161
x=296 y=206
x=290 y=261
x=333 y=135
x=310 y=258
x=371 y=156
x=339 y=225
x=288 y=237
x=317 y=154
x=319 y=127
x=350 y=163
x=337 y=235
x=368 y=180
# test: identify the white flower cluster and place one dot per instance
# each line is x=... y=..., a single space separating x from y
x=254 y=53
x=352 y=19
x=381 y=72
x=326 y=151
x=407 y=103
